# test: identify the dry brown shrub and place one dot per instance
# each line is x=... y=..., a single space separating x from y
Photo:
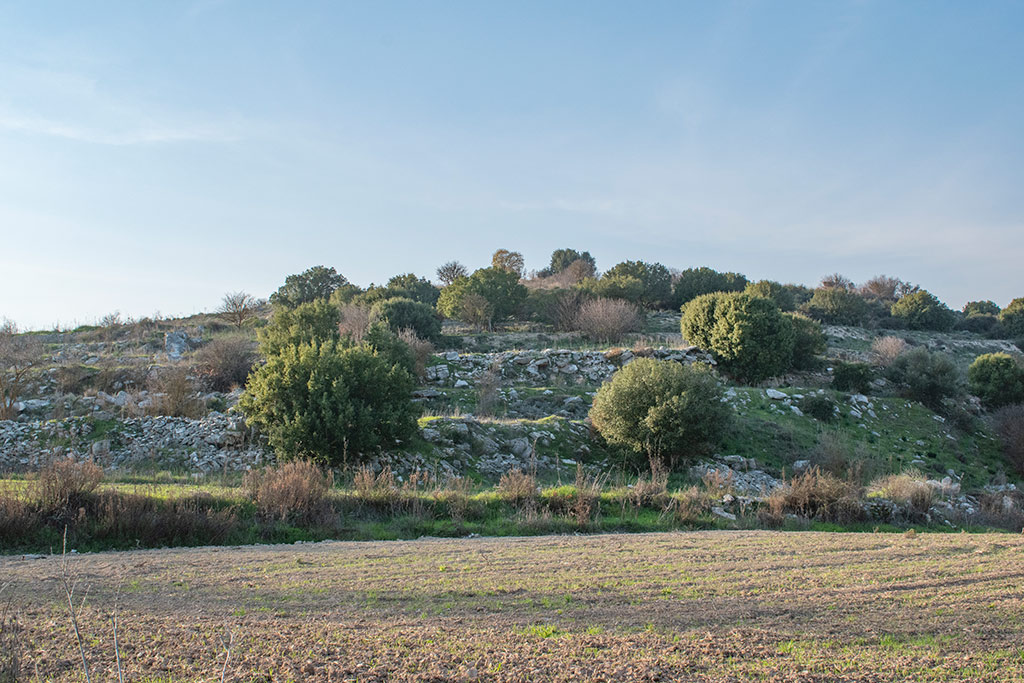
x=455 y=495
x=488 y=394
x=17 y=519
x=63 y=485
x=651 y=489
x=718 y=482
x=225 y=362
x=1009 y=425
x=355 y=320
x=517 y=487
x=150 y=521
x=376 y=489
x=173 y=394
x=421 y=349
x=834 y=456
x=295 y=491
x=816 y=495
x=686 y=506
x=607 y=320
x=1001 y=509
x=908 y=488
x=887 y=349
x=586 y=498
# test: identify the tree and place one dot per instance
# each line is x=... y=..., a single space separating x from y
x=624 y=287
x=399 y=314
x=923 y=311
x=561 y=259
x=972 y=308
x=694 y=282
x=330 y=402
x=406 y=286
x=661 y=409
x=450 y=272
x=776 y=291
x=747 y=334
x=510 y=261
x=997 y=379
x=837 y=306
x=808 y=341
x=837 y=281
x=318 y=282
x=498 y=287
x=238 y=307
x=19 y=353
x=1012 y=318
x=655 y=278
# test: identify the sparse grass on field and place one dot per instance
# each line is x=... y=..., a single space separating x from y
x=706 y=606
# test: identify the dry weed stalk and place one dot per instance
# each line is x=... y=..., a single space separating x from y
x=69 y=584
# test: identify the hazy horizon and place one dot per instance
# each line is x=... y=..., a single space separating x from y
x=158 y=156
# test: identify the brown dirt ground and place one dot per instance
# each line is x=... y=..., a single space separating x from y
x=706 y=606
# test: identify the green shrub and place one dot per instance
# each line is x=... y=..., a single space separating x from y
x=819 y=407
x=401 y=314
x=498 y=289
x=656 y=281
x=776 y=291
x=981 y=323
x=624 y=287
x=808 y=341
x=972 y=308
x=852 y=377
x=561 y=259
x=694 y=282
x=315 y=283
x=661 y=409
x=925 y=376
x=381 y=340
x=330 y=402
x=921 y=310
x=837 y=306
x=748 y=335
x=406 y=286
x=997 y=379
x=308 y=323
x=1012 y=318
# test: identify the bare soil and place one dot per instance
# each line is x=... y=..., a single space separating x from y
x=705 y=606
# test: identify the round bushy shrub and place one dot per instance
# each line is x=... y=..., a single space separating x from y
x=981 y=323
x=694 y=282
x=776 y=291
x=1012 y=318
x=308 y=323
x=406 y=314
x=921 y=310
x=852 y=377
x=837 y=306
x=925 y=376
x=972 y=308
x=498 y=289
x=808 y=341
x=819 y=407
x=997 y=379
x=330 y=402
x=661 y=409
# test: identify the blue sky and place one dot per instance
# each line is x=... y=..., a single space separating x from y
x=156 y=155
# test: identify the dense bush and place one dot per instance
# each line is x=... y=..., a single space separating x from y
x=225 y=362
x=694 y=282
x=837 y=306
x=818 y=406
x=329 y=402
x=776 y=291
x=748 y=335
x=1009 y=425
x=400 y=314
x=921 y=310
x=315 y=283
x=1012 y=318
x=561 y=259
x=607 y=320
x=981 y=323
x=308 y=323
x=852 y=377
x=625 y=287
x=406 y=286
x=556 y=307
x=661 y=409
x=972 y=308
x=997 y=379
x=381 y=340
x=499 y=289
x=926 y=376
x=808 y=341
x=655 y=279
x=295 y=492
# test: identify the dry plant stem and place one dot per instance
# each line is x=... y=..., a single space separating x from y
x=113 y=623
x=69 y=584
x=227 y=649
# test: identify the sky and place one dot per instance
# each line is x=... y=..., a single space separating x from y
x=154 y=156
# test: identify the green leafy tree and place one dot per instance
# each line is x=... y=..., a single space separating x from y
x=561 y=259
x=614 y=287
x=747 y=334
x=318 y=282
x=997 y=379
x=776 y=291
x=662 y=410
x=510 y=261
x=330 y=402
x=399 y=314
x=498 y=287
x=657 y=281
x=1012 y=318
x=923 y=311
x=972 y=308
x=837 y=306
x=808 y=341
x=694 y=282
